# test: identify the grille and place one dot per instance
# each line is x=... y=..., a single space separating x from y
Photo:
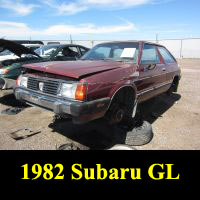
x=49 y=86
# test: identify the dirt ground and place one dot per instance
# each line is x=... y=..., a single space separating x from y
x=175 y=120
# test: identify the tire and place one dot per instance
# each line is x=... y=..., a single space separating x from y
x=140 y=135
x=173 y=87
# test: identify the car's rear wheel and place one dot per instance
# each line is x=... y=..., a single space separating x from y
x=174 y=86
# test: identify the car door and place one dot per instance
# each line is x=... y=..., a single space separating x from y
x=170 y=64
x=151 y=72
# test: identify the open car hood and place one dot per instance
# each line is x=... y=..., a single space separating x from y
x=16 y=48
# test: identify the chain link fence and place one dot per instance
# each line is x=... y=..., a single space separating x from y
x=180 y=48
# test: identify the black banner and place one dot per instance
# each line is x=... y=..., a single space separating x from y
x=104 y=167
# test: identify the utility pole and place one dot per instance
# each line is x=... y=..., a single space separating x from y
x=181 y=50
x=71 y=39
x=157 y=39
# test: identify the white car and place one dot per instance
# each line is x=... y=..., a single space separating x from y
x=8 y=55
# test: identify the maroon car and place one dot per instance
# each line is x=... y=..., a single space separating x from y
x=109 y=81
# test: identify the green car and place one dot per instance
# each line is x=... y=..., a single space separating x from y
x=12 y=57
x=8 y=75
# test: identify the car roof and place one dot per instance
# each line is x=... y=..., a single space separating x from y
x=32 y=45
x=132 y=41
x=64 y=45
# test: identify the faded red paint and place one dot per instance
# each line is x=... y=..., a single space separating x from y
x=104 y=78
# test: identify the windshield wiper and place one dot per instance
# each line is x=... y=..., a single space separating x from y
x=107 y=59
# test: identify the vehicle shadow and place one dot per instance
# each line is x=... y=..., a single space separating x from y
x=9 y=100
x=153 y=109
x=94 y=135
x=100 y=135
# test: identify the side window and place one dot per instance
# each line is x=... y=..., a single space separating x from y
x=83 y=51
x=74 y=49
x=68 y=52
x=150 y=55
x=166 y=55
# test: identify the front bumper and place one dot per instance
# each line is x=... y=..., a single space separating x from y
x=6 y=83
x=81 y=112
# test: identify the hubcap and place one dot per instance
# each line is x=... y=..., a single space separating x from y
x=119 y=115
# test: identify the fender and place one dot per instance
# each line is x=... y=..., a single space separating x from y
x=114 y=92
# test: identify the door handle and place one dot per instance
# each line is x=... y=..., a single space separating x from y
x=152 y=66
x=163 y=69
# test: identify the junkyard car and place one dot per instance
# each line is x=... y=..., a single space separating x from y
x=109 y=81
x=8 y=55
x=61 y=52
x=13 y=56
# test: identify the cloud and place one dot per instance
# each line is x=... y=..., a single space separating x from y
x=70 y=9
x=118 y=4
x=18 y=7
x=88 y=29
x=65 y=8
x=15 y=29
x=82 y=5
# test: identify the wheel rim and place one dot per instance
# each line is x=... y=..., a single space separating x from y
x=119 y=115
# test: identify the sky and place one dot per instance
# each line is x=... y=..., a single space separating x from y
x=99 y=19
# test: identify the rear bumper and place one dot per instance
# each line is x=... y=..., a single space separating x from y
x=6 y=83
x=81 y=112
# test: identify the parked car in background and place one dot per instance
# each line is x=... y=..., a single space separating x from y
x=61 y=52
x=109 y=81
x=13 y=56
x=6 y=54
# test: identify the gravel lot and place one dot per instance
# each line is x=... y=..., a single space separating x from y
x=175 y=121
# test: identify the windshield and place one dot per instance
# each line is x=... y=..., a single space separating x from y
x=126 y=52
x=46 y=51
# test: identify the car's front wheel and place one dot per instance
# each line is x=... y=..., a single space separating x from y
x=122 y=108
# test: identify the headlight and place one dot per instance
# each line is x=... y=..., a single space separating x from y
x=22 y=81
x=75 y=91
x=4 y=71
